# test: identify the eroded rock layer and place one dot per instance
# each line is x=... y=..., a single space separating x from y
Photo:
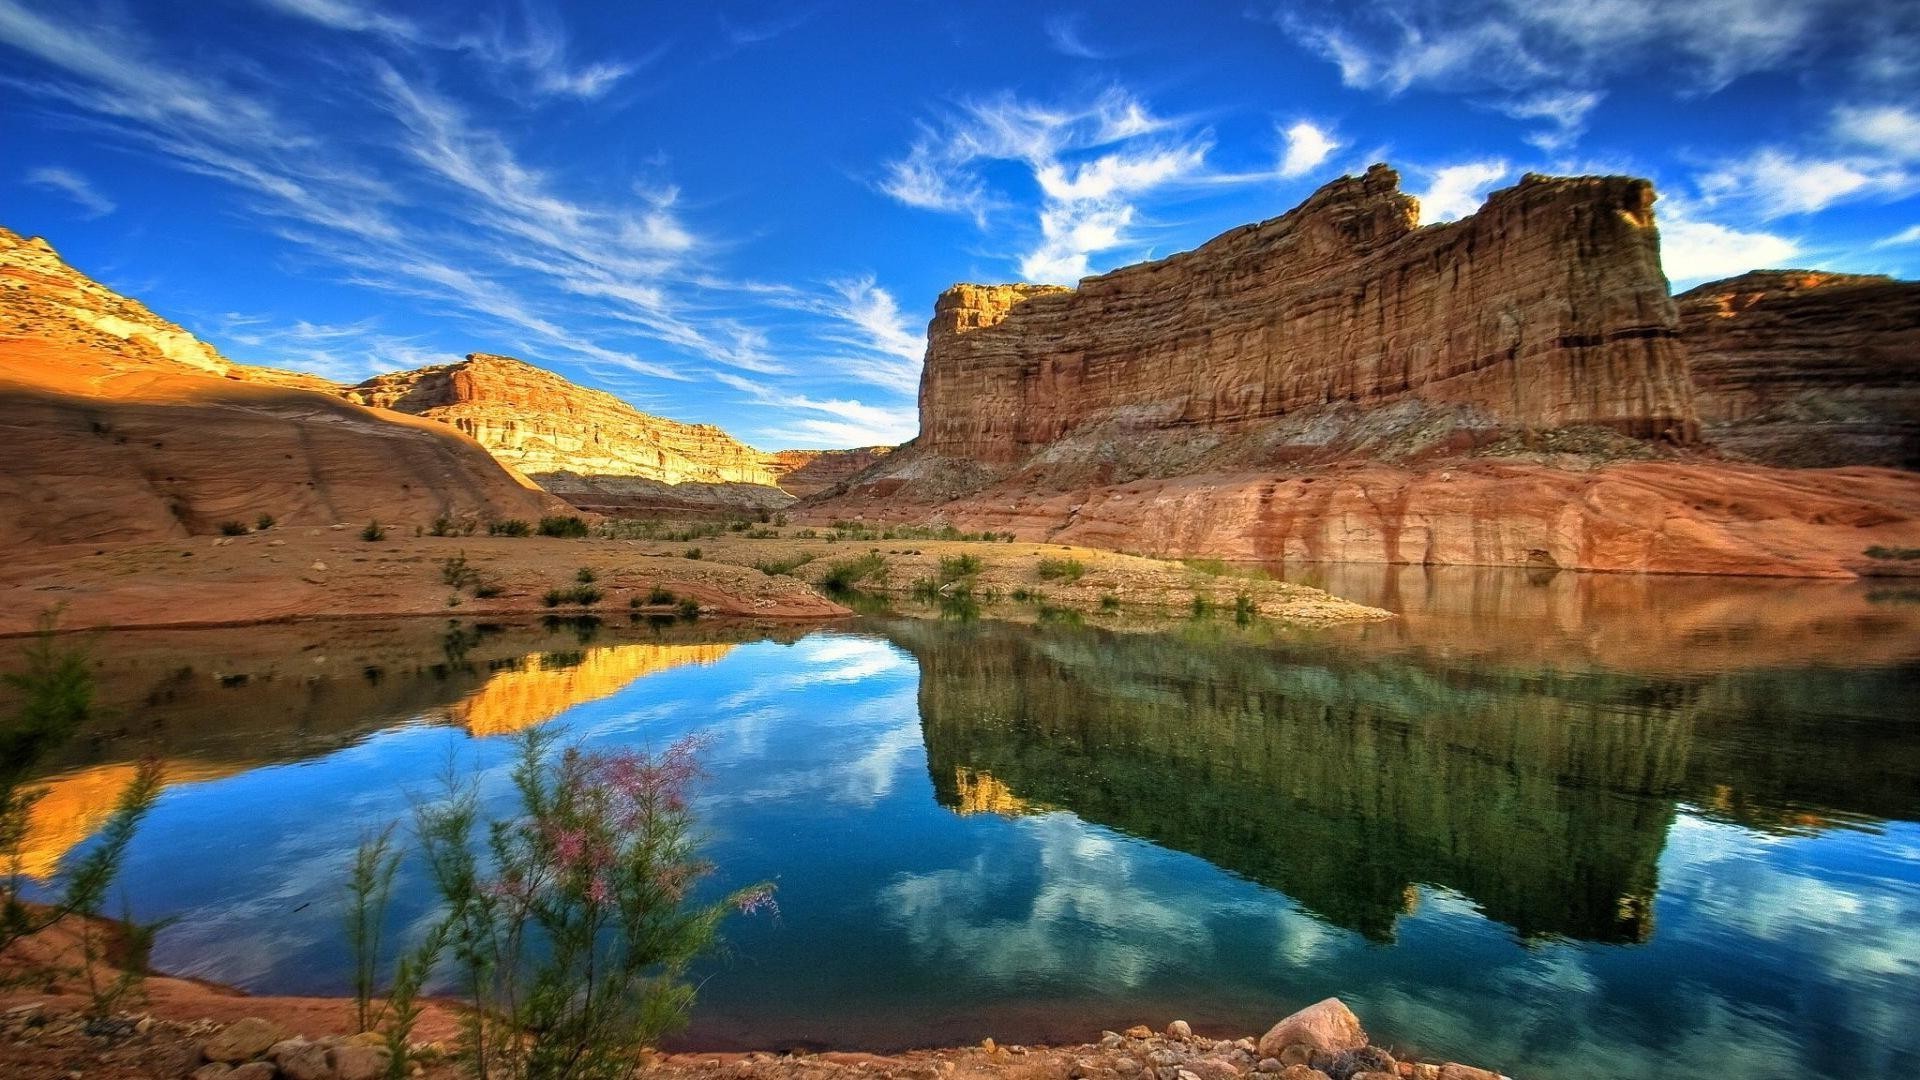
x=806 y=472
x=586 y=446
x=119 y=425
x=1798 y=367
x=1545 y=309
x=1337 y=385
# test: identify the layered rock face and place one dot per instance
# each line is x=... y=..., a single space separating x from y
x=1545 y=309
x=586 y=446
x=119 y=425
x=1338 y=385
x=801 y=473
x=1802 y=368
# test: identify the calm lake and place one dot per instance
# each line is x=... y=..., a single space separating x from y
x=1571 y=826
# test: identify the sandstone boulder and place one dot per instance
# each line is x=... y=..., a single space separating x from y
x=243 y=1040
x=1324 y=1025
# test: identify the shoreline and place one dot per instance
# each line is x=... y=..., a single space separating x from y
x=311 y=574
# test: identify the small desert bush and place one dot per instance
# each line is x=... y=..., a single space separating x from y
x=509 y=527
x=232 y=528
x=692 y=553
x=1202 y=607
x=1109 y=603
x=689 y=609
x=844 y=574
x=659 y=595
x=584 y=575
x=1244 y=609
x=568 y=526
x=374 y=532
x=583 y=595
x=1067 y=571
x=778 y=567
x=955 y=567
x=263 y=522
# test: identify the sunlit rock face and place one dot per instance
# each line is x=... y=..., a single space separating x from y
x=1545 y=309
x=121 y=426
x=1340 y=385
x=539 y=687
x=1803 y=368
x=575 y=442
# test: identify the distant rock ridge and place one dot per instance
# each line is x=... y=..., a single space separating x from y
x=1807 y=368
x=121 y=426
x=1339 y=384
x=805 y=472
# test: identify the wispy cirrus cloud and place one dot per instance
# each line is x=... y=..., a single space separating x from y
x=1089 y=162
x=1066 y=33
x=75 y=187
x=526 y=40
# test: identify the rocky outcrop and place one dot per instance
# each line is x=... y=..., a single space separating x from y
x=801 y=473
x=586 y=446
x=1339 y=385
x=1803 y=368
x=1545 y=309
x=119 y=425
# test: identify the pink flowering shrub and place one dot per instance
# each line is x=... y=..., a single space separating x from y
x=570 y=923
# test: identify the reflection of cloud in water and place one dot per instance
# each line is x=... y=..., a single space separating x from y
x=1066 y=902
x=826 y=658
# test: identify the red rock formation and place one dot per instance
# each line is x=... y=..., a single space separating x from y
x=1337 y=385
x=586 y=446
x=801 y=473
x=1545 y=309
x=1803 y=368
x=119 y=425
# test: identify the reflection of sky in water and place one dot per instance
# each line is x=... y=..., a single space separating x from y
x=903 y=922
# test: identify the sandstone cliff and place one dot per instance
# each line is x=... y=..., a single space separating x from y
x=119 y=425
x=1339 y=385
x=586 y=446
x=801 y=473
x=1545 y=309
x=1803 y=368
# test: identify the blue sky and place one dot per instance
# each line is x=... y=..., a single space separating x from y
x=741 y=213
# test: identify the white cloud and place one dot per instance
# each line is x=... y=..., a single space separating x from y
x=1063 y=33
x=838 y=423
x=1775 y=183
x=1910 y=235
x=1308 y=144
x=1696 y=251
x=75 y=187
x=1458 y=190
x=1090 y=162
x=344 y=353
x=1888 y=129
x=1565 y=110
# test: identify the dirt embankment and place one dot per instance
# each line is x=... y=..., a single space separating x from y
x=288 y=574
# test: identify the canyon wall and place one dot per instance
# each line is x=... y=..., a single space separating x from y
x=586 y=446
x=1803 y=368
x=119 y=426
x=1545 y=309
x=1338 y=385
x=801 y=473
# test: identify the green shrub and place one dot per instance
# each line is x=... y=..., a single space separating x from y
x=487 y=590
x=584 y=575
x=1879 y=551
x=658 y=596
x=373 y=532
x=443 y=526
x=1244 y=609
x=509 y=527
x=232 y=528
x=455 y=571
x=689 y=609
x=584 y=595
x=778 y=567
x=569 y=526
x=692 y=553
x=263 y=522
x=1202 y=606
x=1109 y=603
x=1063 y=570
x=955 y=567
x=572 y=924
x=1210 y=567
x=844 y=574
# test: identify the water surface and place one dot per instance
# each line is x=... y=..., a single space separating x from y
x=1572 y=826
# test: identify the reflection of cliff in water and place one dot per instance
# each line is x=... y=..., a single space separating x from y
x=212 y=703
x=1343 y=779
